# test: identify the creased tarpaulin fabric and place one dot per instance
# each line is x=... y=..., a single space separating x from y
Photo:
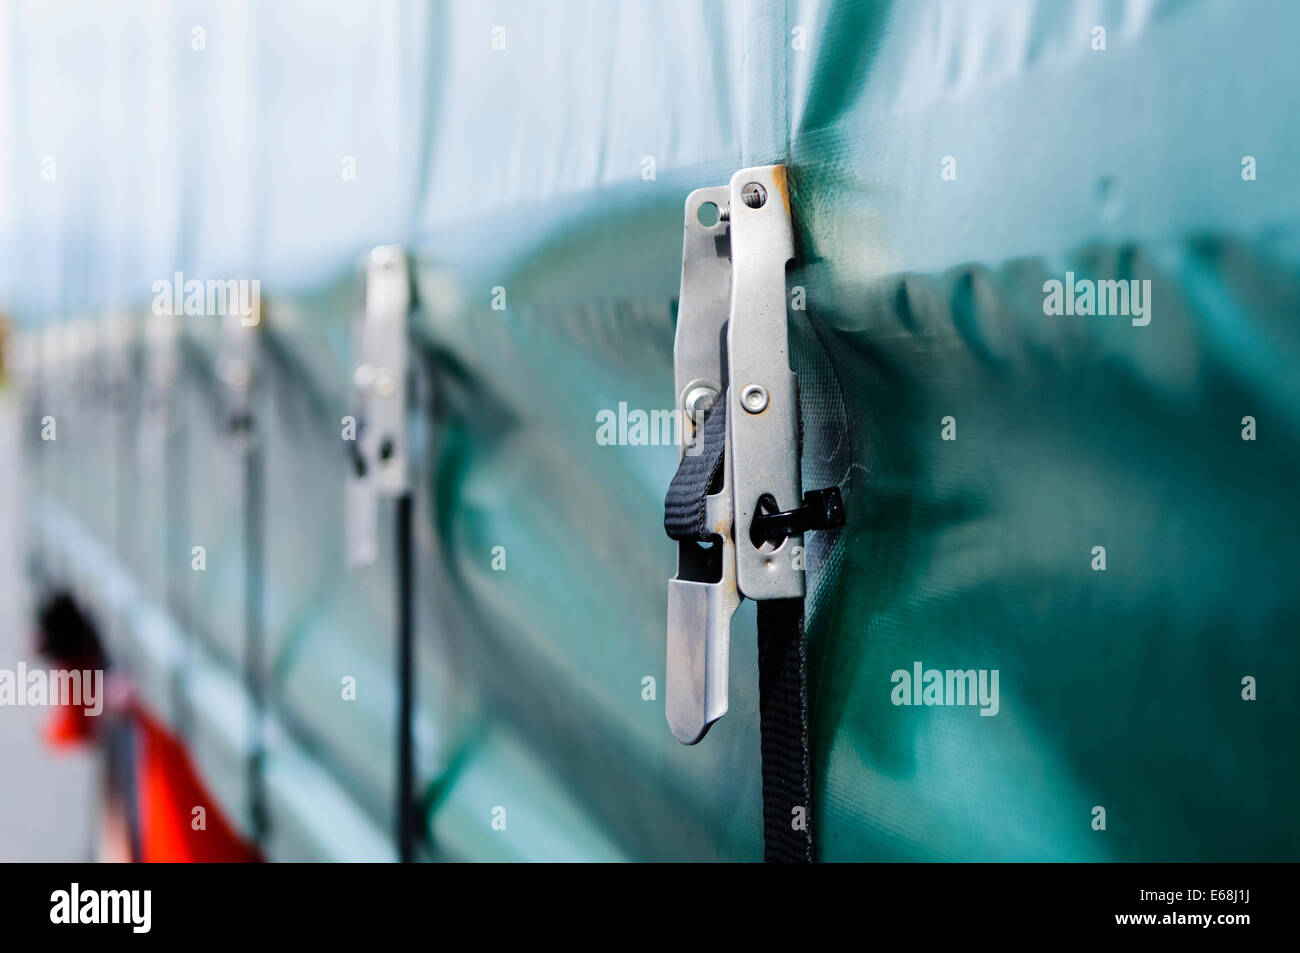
x=554 y=169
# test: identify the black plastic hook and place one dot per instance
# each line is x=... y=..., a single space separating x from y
x=822 y=509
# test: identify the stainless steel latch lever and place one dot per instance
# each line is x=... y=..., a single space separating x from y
x=731 y=346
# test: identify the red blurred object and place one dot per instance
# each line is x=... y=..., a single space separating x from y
x=168 y=791
x=69 y=726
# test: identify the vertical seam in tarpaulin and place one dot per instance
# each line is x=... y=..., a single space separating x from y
x=765 y=137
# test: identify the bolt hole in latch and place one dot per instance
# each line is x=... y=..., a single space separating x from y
x=708 y=214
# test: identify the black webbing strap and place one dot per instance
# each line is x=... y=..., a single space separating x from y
x=684 y=507
x=406 y=805
x=783 y=724
x=254 y=630
x=782 y=702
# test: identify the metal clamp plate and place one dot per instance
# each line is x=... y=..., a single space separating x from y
x=763 y=409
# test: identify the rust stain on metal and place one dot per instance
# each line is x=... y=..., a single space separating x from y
x=781 y=184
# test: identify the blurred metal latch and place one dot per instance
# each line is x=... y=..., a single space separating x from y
x=377 y=442
x=237 y=367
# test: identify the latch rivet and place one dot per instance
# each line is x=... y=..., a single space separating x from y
x=753 y=195
x=384 y=384
x=238 y=374
x=754 y=399
x=697 y=401
x=363 y=377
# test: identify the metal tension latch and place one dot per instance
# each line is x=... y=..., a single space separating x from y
x=378 y=448
x=731 y=347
